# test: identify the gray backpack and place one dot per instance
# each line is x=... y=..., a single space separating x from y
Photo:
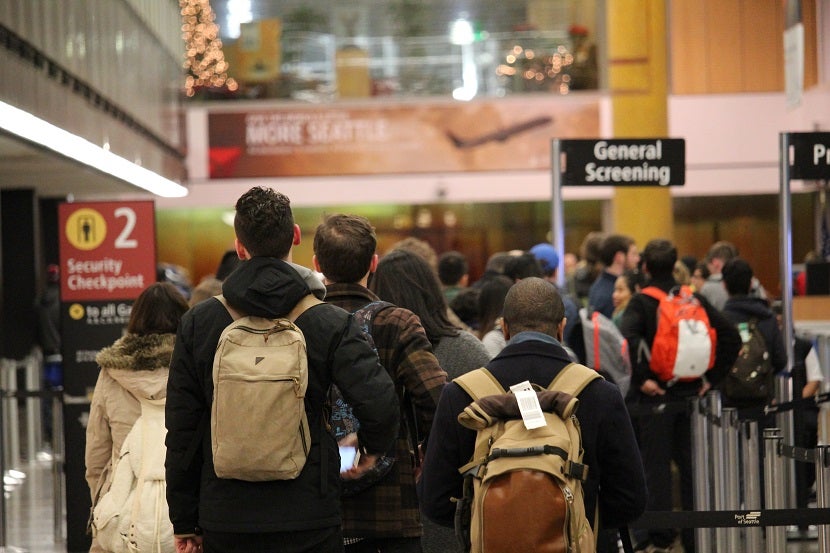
x=605 y=348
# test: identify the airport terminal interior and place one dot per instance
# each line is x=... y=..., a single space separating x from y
x=462 y=123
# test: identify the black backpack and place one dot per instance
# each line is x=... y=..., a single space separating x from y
x=344 y=422
x=751 y=377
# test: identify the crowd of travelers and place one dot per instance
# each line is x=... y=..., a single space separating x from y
x=429 y=323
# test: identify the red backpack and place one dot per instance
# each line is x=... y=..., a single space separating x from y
x=684 y=344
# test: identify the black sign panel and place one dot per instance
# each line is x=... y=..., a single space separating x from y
x=87 y=327
x=810 y=155
x=624 y=162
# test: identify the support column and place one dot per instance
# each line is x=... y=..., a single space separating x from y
x=638 y=82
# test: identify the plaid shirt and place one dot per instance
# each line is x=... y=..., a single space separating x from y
x=390 y=508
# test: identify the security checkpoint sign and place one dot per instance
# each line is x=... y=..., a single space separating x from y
x=624 y=162
x=107 y=250
x=810 y=155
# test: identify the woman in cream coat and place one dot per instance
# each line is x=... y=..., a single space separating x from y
x=136 y=365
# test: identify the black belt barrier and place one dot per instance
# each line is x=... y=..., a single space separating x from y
x=732 y=519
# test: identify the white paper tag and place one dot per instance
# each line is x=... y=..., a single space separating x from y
x=522 y=387
x=530 y=409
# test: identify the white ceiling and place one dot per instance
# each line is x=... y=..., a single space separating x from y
x=25 y=166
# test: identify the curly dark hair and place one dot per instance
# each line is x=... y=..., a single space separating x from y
x=344 y=246
x=533 y=304
x=264 y=223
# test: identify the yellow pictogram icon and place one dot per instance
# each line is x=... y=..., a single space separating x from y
x=76 y=311
x=86 y=229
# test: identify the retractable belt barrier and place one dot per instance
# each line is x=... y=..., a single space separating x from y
x=10 y=454
x=728 y=512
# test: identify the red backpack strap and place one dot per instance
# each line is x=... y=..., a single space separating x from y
x=654 y=292
x=595 y=321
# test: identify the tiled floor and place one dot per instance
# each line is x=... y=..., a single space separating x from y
x=30 y=523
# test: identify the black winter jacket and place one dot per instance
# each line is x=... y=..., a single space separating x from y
x=639 y=323
x=337 y=352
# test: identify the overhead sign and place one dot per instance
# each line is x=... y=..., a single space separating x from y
x=107 y=250
x=810 y=156
x=629 y=162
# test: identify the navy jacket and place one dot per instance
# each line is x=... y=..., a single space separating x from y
x=611 y=451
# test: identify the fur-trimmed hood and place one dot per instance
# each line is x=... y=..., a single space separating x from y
x=139 y=363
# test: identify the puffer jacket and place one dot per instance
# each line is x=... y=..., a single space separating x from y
x=133 y=367
x=337 y=353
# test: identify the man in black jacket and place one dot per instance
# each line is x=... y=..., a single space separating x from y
x=299 y=515
x=667 y=436
x=533 y=324
x=742 y=307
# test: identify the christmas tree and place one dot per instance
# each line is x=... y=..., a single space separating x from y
x=204 y=61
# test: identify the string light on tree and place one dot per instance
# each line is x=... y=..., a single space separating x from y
x=204 y=61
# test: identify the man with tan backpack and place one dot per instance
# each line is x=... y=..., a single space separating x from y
x=549 y=400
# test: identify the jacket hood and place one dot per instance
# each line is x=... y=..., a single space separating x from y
x=750 y=306
x=139 y=363
x=270 y=287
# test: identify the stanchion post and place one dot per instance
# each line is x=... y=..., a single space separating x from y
x=718 y=443
x=729 y=424
x=752 y=481
x=58 y=457
x=774 y=493
x=700 y=468
x=2 y=461
x=34 y=434
x=12 y=415
x=823 y=495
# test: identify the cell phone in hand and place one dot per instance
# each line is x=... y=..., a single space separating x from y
x=348 y=457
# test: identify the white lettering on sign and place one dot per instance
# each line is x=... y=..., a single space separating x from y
x=821 y=151
x=628 y=151
x=661 y=174
x=106 y=265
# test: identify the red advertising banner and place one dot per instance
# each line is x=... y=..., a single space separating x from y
x=395 y=138
x=107 y=249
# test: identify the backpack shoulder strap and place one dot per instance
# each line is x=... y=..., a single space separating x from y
x=307 y=301
x=479 y=383
x=654 y=292
x=573 y=378
x=304 y=304
x=235 y=315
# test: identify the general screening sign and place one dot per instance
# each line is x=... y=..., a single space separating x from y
x=107 y=250
x=624 y=162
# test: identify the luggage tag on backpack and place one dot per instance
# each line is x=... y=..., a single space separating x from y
x=529 y=406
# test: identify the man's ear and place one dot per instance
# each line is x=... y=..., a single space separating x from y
x=373 y=265
x=560 y=332
x=241 y=252
x=315 y=263
x=505 y=331
x=297 y=235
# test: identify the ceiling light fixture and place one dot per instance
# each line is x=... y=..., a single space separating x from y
x=27 y=126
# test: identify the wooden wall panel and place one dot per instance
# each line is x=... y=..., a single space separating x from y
x=761 y=48
x=723 y=45
x=734 y=46
x=687 y=42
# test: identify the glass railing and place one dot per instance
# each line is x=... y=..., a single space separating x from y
x=319 y=67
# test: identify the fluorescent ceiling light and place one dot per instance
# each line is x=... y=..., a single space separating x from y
x=27 y=126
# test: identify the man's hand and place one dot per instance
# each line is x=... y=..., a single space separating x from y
x=365 y=463
x=349 y=440
x=705 y=387
x=192 y=544
x=651 y=388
